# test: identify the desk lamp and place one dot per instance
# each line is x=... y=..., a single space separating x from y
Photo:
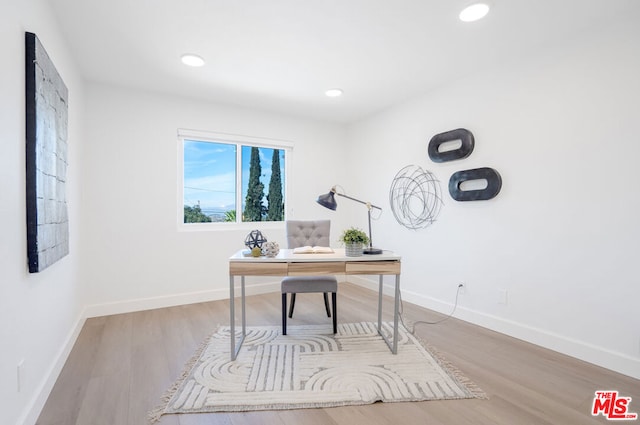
x=329 y=201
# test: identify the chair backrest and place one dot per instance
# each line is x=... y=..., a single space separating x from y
x=308 y=232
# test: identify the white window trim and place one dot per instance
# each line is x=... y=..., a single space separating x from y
x=207 y=136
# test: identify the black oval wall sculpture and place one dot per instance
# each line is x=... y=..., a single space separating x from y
x=462 y=134
x=494 y=184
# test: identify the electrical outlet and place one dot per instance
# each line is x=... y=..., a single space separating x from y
x=462 y=288
x=503 y=296
x=20 y=375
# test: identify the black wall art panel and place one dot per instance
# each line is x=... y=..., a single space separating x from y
x=492 y=177
x=46 y=158
x=464 y=135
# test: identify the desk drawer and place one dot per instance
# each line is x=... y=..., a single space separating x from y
x=316 y=268
x=257 y=269
x=373 y=267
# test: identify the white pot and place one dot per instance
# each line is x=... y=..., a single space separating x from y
x=353 y=249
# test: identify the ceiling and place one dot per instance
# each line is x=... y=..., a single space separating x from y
x=281 y=55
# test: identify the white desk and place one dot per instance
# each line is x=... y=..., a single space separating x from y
x=286 y=263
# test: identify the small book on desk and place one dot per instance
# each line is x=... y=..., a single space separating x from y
x=313 y=250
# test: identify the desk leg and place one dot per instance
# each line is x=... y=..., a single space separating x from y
x=232 y=320
x=380 y=305
x=396 y=315
x=244 y=316
x=392 y=344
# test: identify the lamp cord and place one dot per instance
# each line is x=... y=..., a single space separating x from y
x=424 y=322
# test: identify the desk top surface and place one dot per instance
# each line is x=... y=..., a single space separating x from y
x=287 y=256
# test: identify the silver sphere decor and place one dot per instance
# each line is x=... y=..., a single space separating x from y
x=270 y=249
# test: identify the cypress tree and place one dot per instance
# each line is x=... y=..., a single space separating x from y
x=276 y=206
x=255 y=191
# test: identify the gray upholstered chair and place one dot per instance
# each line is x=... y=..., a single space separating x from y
x=313 y=233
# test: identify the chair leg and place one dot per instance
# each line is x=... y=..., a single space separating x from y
x=326 y=304
x=335 y=312
x=284 y=313
x=293 y=303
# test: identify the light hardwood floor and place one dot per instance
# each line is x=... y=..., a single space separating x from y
x=122 y=364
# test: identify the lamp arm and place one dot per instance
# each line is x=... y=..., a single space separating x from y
x=368 y=204
x=328 y=201
x=369 y=207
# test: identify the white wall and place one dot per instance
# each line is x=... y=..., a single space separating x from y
x=40 y=314
x=134 y=256
x=561 y=238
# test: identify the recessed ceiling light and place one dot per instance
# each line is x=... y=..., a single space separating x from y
x=474 y=12
x=192 y=60
x=334 y=92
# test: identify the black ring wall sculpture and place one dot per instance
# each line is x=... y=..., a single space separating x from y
x=494 y=184
x=415 y=197
x=462 y=134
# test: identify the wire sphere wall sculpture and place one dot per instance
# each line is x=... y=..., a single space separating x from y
x=415 y=197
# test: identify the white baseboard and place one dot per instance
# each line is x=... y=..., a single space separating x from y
x=36 y=405
x=599 y=356
x=96 y=310
x=596 y=355
x=128 y=306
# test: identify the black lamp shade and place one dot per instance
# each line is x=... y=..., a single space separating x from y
x=328 y=201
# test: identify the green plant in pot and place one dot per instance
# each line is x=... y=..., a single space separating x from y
x=354 y=239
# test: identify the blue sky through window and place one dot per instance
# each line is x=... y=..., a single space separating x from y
x=210 y=175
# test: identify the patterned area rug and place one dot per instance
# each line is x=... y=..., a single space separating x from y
x=311 y=367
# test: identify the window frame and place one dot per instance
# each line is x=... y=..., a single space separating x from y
x=238 y=140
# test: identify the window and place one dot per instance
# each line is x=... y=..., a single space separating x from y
x=232 y=179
